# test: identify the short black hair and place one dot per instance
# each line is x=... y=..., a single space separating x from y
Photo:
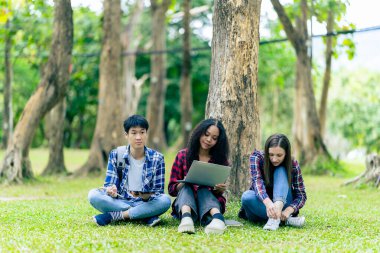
x=135 y=121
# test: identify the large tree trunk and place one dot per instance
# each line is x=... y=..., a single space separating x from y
x=132 y=86
x=7 y=113
x=327 y=75
x=50 y=91
x=156 y=100
x=54 y=128
x=109 y=122
x=372 y=173
x=308 y=143
x=186 y=91
x=233 y=82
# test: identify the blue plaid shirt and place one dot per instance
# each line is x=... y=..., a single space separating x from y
x=153 y=175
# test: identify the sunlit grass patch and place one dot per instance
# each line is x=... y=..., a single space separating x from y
x=52 y=214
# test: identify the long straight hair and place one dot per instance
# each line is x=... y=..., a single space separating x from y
x=219 y=152
x=277 y=140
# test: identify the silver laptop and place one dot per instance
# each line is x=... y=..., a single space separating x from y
x=208 y=174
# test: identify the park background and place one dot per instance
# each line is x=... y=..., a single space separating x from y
x=43 y=201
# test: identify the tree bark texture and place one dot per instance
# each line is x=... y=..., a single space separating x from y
x=50 y=91
x=132 y=86
x=54 y=129
x=327 y=74
x=109 y=122
x=185 y=84
x=233 y=87
x=371 y=175
x=308 y=142
x=8 y=112
x=156 y=100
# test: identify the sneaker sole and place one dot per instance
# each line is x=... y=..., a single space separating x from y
x=270 y=229
x=94 y=220
x=217 y=231
x=188 y=229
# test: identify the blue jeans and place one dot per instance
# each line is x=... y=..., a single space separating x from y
x=156 y=205
x=255 y=209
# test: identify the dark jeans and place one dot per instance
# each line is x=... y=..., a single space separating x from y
x=200 y=205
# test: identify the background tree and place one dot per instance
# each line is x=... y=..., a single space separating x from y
x=7 y=111
x=31 y=38
x=185 y=88
x=330 y=13
x=132 y=87
x=308 y=142
x=54 y=129
x=15 y=15
x=276 y=79
x=201 y=21
x=233 y=82
x=82 y=97
x=51 y=90
x=156 y=100
x=109 y=123
x=357 y=121
x=371 y=175
x=327 y=74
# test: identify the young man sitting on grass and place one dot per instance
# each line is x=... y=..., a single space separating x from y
x=134 y=183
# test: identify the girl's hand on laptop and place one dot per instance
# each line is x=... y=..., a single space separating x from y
x=220 y=188
x=180 y=185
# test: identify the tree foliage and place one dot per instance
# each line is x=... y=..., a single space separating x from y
x=31 y=31
x=354 y=110
x=82 y=97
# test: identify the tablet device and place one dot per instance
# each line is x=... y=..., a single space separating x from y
x=208 y=174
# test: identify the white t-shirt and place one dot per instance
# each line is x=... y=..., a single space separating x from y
x=135 y=174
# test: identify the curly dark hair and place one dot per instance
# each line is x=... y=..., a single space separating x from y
x=219 y=153
x=277 y=140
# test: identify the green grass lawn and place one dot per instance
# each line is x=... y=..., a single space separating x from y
x=53 y=215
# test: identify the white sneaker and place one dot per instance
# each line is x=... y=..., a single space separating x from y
x=186 y=226
x=216 y=226
x=295 y=221
x=272 y=224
